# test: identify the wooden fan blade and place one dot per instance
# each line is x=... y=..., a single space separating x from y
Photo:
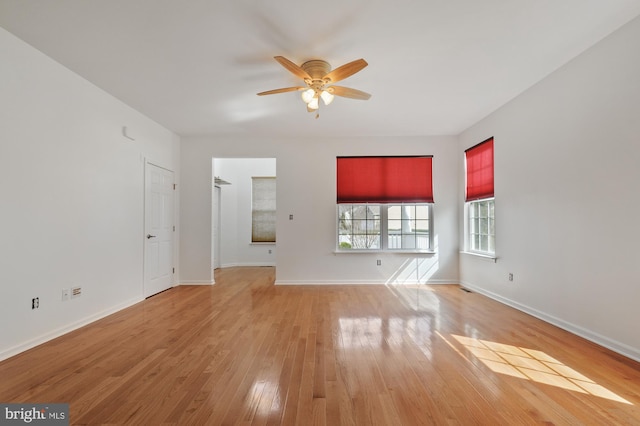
x=293 y=68
x=283 y=90
x=347 y=92
x=346 y=70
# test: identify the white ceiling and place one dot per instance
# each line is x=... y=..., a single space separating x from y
x=436 y=67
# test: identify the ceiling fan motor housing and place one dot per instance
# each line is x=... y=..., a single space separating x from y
x=316 y=68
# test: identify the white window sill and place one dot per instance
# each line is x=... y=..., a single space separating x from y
x=483 y=256
x=429 y=252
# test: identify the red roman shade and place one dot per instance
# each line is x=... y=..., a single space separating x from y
x=480 y=171
x=384 y=179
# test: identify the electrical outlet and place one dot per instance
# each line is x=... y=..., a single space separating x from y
x=510 y=276
x=379 y=262
x=35 y=303
x=76 y=292
x=269 y=251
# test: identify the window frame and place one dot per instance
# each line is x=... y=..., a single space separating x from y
x=384 y=230
x=491 y=228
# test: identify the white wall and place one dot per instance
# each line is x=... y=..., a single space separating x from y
x=306 y=189
x=72 y=197
x=235 y=233
x=567 y=176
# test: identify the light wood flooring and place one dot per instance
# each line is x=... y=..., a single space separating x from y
x=247 y=352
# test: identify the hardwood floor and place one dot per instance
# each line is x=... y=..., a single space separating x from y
x=247 y=352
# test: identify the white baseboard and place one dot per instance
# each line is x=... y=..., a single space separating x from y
x=187 y=282
x=248 y=264
x=594 y=337
x=362 y=282
x=32 y=343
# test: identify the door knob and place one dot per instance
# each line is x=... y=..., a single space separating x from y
x=150 y=236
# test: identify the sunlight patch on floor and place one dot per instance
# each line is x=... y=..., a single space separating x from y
x=530 y=364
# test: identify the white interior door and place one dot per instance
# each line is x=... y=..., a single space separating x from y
x=159 y=230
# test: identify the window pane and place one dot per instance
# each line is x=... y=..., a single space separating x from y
x=363 y=241
x=344 y=242
x=422 y=241
x=394 y=225
x=422 y=226
x=375 y=242
x=393 y=212
x=344 y=211
x=409 y=211
x=422 y=212
x=359 y=212
x=483 y=211
x=409 y=241
x=484 y=227
x=344 y=227
x=360 y=226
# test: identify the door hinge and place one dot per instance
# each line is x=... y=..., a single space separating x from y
x=174 y=186
x=174 y=228
x=174 y=270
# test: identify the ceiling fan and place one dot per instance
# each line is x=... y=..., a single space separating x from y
x=319 y=78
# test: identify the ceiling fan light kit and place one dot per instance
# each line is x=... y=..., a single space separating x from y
x=319 y=78
x=327 y=97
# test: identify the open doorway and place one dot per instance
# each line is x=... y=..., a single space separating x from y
x=232 y=215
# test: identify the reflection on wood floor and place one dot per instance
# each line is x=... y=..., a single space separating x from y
x=247 y=352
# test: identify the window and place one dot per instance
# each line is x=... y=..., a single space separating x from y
x=409 y=226
x=481 y=226
x=359 y=226
x=480 y=203
x=384 y=203
x=384 y=226
x=263 y=209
